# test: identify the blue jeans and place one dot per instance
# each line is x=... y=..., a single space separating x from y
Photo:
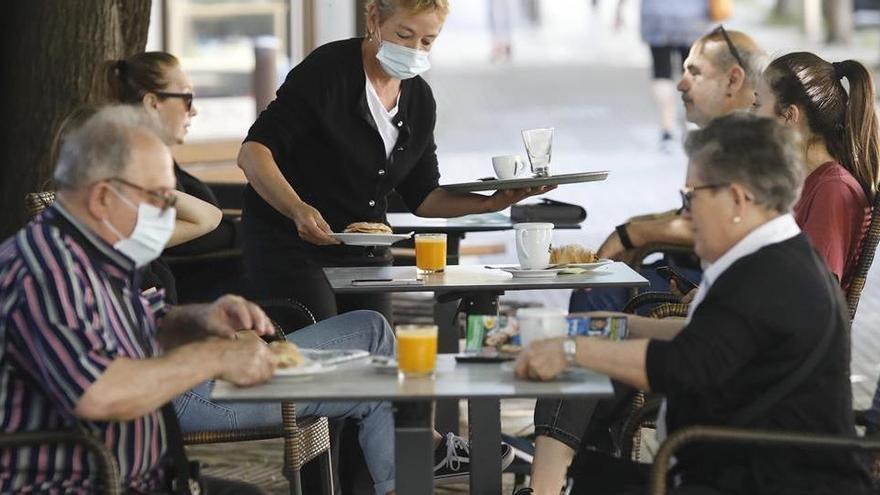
x=355 y=330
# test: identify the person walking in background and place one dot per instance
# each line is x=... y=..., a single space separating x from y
x=669 y=27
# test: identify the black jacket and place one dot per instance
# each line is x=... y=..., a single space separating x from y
x=758 y=322
x=324 y=140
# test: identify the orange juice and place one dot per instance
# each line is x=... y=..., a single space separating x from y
x=416 y=349
x=431 y=252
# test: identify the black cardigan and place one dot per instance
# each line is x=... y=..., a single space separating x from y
x=758 y=322
x=324 y=140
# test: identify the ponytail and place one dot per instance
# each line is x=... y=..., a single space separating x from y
x=860 y=129
x=128 y=80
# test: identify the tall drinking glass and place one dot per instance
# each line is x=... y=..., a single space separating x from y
x=430 y=253
x=416 y=350
x=539 y=143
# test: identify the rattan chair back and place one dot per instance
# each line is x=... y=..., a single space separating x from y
x=866 y=258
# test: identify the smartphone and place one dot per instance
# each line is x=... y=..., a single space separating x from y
x=388 y=281
x=684 y=285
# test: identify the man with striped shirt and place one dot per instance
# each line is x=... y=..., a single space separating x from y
x=81 y=347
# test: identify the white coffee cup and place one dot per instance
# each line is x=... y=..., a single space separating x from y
x=540 y=323
x=508 y=166
x=533 y=241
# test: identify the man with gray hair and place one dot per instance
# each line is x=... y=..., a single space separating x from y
x=83 y=348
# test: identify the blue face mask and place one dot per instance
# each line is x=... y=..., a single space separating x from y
x=401 y=62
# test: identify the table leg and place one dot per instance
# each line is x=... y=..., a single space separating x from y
x=445 y=315
x=484 y=420
x=414 y=455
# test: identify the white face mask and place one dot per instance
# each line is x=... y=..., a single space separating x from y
x=151 y=232
x=401 y=62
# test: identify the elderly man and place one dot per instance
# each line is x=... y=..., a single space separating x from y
x=83 y=348
x=720 y=75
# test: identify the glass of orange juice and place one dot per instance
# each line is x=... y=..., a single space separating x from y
x=431 y=253
x=416 y=350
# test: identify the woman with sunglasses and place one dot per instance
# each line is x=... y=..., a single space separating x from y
x=156 y=82
x=840 y=148
x=765 y=344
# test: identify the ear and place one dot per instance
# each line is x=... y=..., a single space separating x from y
x=741 y=196
x=791 y=116
x=372 y=19
x=736 y=79
x=150 y=101
x=98 y=200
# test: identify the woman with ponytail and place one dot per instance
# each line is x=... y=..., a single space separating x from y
x=155 y=82
x=839 y=136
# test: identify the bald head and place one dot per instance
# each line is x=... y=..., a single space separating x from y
x=719 y=78
x=109 y=144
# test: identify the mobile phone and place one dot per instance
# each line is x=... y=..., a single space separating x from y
x=388 y=281
x=684 y=285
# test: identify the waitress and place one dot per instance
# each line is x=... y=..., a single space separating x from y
x=351 y=123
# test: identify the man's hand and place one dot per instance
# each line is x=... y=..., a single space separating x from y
x=543 y=360
x=231 y=313
x=311 y=226
x=246 y=362
x=612 y=248
x=506 y=197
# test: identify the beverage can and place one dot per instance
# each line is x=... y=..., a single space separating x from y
x=610 y=327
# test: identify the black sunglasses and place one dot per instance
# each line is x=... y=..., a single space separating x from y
x=186 y=97
x=687 y=193
x=730 y=45
x=165 y=198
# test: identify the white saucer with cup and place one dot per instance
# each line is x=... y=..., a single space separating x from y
x=533 y=243
x=508 y=166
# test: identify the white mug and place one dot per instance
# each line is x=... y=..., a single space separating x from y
x=540 y=323
x=533 y=241
x=508 y=166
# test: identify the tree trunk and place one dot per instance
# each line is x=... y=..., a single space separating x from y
x=53 y=53
x=787 y=9
x=839 y=14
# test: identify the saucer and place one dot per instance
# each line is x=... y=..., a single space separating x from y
x=536 y=273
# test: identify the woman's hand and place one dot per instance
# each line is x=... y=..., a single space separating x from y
x=311 y=225
x=507 y=197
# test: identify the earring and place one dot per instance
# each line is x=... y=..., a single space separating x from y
x=370 y=37
x=737 y=219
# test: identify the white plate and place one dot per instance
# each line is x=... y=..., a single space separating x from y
x=307 y=369
x=588 y=266
x=545 y=273
x=364 y=239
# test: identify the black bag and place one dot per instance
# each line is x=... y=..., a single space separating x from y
x=549 y=210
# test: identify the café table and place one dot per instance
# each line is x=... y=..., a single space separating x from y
x=484 y=385
x=477 y=288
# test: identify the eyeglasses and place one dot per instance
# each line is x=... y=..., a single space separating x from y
x=687 y=193
x=730 y=45
x=165 y=198
x=186 y=97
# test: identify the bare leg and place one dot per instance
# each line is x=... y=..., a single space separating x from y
x=550 y=466
x=664 y=93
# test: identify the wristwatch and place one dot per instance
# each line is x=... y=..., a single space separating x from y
x=569 y=347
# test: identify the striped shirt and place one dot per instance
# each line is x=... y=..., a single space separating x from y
x=69 y=306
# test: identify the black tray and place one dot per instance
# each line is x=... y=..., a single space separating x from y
x=552 y=180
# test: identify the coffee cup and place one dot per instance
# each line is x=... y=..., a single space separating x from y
x=508 y=166
x=540 y=323
x=533 y=242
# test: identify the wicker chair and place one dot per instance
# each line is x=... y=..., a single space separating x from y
x=725 y=435
x=304 y=439
x=108 y=471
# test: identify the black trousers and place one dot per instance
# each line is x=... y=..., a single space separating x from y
x=281 y=265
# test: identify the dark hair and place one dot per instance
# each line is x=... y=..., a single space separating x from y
x=757 y=152
x=847 y=123
x=130 y=79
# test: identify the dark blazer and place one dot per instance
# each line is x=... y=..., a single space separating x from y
x=323 y=138
x=759 y=321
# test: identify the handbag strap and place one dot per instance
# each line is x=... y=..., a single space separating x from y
x=788 y=385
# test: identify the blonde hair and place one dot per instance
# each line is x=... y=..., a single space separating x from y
x=387 y=8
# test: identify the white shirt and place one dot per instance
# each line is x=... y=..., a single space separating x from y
x=781 y=228
x=383 y=118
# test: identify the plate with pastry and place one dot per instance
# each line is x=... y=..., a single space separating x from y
x=291 y=361
x=576 y=256
x=369 y=234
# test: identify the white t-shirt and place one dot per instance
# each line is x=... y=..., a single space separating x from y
x=383 y=118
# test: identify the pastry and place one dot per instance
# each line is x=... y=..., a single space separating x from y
x=288 y=354
x=572 y=253
x=368 y=228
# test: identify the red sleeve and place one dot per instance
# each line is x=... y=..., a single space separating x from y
x=832 y=222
